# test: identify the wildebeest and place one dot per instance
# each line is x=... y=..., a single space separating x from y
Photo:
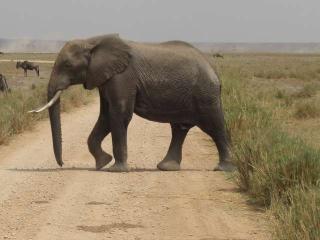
x=3 y=84
x=26 y=65
x=1 y=53
x=217 y=55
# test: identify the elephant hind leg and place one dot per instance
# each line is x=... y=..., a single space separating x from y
x=212 y=122
x=172 y=160
x=99 y=132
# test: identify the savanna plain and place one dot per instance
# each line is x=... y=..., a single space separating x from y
x=272 y=110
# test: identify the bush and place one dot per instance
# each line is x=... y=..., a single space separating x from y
x=307 y=110
x=307 y=91
x=280 y=94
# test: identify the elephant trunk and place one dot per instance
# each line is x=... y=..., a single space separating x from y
x=55 y=121
x=54 y=113
x=55 y=87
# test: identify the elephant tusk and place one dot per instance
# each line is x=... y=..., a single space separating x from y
x=49 y=104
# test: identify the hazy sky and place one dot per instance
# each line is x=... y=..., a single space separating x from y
x=157 y=20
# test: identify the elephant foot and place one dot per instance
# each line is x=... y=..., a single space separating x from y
x=225 y=166
x=168 y=165
x=103 y=161
x=118 y=167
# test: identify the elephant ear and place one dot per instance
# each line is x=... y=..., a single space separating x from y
x=109 y=56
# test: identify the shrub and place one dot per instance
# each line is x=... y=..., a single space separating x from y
x=280 y=94
x=307 y=110
x=307 y=91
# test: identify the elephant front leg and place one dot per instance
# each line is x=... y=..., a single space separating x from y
x=120 y=92
x=99 y=132
x=119 y=143
x=172 y=160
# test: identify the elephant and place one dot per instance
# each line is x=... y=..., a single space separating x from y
x=26 y=65
x=170 y=82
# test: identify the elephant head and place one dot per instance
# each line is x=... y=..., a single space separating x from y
x=90 y=62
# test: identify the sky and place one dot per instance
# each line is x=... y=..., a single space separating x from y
x=160 y=20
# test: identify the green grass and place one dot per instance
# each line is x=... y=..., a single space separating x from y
x=277 y=170
x=14 y=118
x=298 y=214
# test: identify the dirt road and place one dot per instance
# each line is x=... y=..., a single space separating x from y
x=40 y=201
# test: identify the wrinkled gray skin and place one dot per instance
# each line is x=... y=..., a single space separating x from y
x=170 y=82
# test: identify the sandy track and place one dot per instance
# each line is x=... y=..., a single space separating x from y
x=40 y=201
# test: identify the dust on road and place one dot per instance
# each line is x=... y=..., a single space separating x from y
x=40 y=201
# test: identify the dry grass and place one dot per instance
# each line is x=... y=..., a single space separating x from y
x=309 y=90
x=298 y=214
x=14 y=118
x=308 y=109
x=261 y=93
